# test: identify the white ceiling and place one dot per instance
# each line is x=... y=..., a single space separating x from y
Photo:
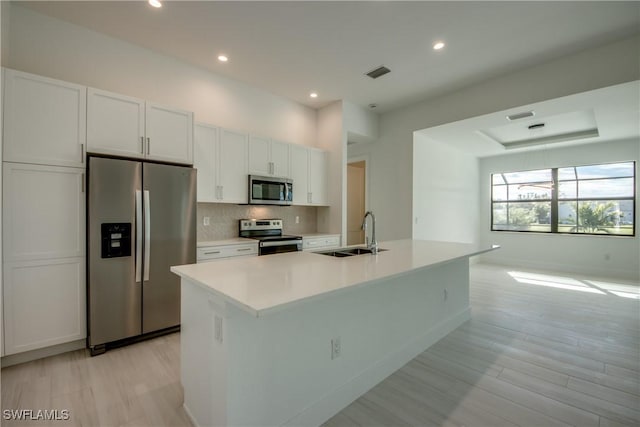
x=292 y=48
x=614 y=111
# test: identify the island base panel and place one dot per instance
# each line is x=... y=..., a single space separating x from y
x=242 y=370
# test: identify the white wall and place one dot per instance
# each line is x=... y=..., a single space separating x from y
x=445 y=192
x=338 y=123
x=361 y=124
x=391 y=155
x=581 y=254
x=50 y=47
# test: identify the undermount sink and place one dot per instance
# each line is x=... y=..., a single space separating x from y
x=344 y=252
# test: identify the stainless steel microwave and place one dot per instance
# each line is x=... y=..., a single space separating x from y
x=269 y=190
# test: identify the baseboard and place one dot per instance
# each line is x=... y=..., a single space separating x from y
x=338 y=399
x=28 y=356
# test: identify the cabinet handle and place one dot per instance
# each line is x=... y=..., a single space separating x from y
x=82 y=183
x=81 y=153
x=148 y=146
x=142 y=145
x=212 y=253
x=243 y=249
x=221 y=192
x=272 y=168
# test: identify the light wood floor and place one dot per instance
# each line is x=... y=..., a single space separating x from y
x=542 y=349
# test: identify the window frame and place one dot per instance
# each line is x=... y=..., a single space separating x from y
x=555 y=200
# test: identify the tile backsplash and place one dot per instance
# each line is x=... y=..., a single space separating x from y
x=223 y=219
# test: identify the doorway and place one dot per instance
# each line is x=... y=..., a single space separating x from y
x=356 y=189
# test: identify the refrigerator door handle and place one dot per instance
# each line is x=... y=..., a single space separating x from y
x=138 y=235
x=147 y=234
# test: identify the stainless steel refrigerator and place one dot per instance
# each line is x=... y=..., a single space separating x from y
x=141 y=220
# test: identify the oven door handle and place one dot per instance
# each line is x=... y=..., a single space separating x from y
x=280 y=243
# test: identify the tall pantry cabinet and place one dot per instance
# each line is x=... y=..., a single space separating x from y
x=43 y=221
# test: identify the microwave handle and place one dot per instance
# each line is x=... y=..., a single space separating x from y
x=286 y=191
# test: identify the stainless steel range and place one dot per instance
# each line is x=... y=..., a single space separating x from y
x=269 y=233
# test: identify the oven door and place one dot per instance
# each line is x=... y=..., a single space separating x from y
x=270 y=191
x=281 y=246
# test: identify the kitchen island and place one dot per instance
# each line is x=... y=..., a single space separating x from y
x=291 y=339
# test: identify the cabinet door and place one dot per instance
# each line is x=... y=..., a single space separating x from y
x=115 y=124
x=169 y=134
x=44 y=303
x=44 y=120
x=44 y=212
x=299 y=165
x=318 y=177
x=204 y=160
x=280 y=159
x=259 y=156
x=232 y=167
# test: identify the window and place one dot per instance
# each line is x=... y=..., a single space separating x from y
x=594 y=199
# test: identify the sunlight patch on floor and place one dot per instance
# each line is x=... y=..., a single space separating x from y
x=553 y=282
x=619 y=289
x=569 y=283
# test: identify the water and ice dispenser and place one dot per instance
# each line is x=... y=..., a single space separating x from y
x=116 y=239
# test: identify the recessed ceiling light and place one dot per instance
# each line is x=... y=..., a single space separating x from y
x=223 y=58
x=155 y=3
x=313 y=95
x=438 y=45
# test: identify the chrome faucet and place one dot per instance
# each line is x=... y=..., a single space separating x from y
x=373 y=245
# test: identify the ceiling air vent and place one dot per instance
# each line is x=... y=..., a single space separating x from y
x=519 y=116
x=380 y=71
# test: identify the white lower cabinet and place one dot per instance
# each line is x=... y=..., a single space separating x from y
x=44 y=303
x=314 y=243
x=213 y=252
x=43 y=256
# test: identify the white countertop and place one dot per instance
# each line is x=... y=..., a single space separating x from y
x=232 y=241
x=263 y=284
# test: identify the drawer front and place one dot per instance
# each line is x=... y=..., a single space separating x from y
x=320 y=242
x=210 y=253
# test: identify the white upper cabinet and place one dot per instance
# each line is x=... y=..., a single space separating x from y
x=300 y=174
x=268 y=157
x=205 y=158
x=44 y=120
x=221 y=159
x=169 y=134
x=233 y=184
x=318 y=177
x=280 y=159
x=309 y=174
x=259 y=155
x=115 y=124
x=131 y=127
